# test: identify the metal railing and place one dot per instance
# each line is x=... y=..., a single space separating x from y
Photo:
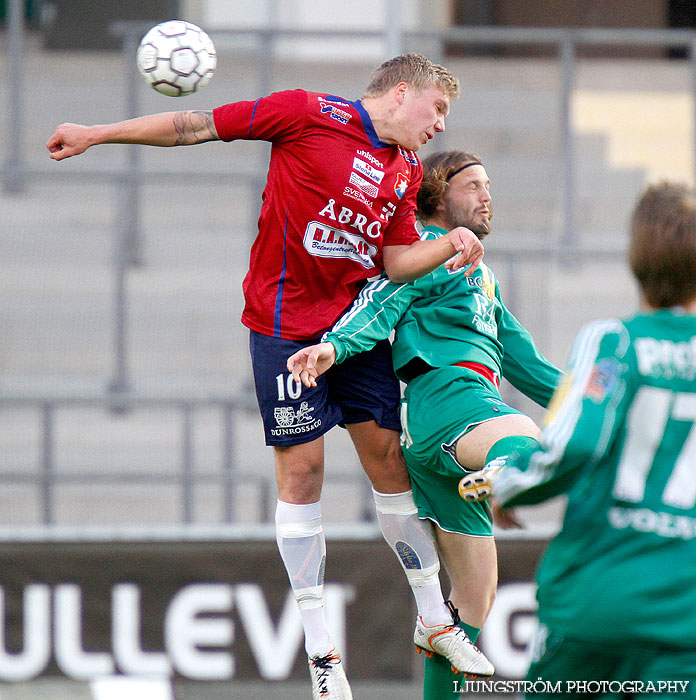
x=229 y=477
x=128 y=180
x=49 y=477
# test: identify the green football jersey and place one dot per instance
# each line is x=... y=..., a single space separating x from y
x=620 y=440
x=444 y=318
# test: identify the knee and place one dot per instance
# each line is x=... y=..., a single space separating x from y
x=380 y=454
x=299 y=487
x=393 y=458
x=299 y=478
x=387 y=470
x=474 y=602
x=379 y=445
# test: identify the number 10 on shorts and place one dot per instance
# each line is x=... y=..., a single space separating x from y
x=287 y=384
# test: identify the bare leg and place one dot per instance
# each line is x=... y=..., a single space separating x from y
x=472 y=565
x=473 y=447
x=300 y=471
x=380 y=454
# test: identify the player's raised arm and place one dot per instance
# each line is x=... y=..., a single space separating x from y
x=405 y=263
x=164 y=129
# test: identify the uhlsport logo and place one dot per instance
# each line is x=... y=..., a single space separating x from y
x=368 y=156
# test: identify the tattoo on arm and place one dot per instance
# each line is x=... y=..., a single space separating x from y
x=196 y=126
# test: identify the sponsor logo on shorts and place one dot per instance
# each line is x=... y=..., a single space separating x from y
x=291 y=421
x=361 y=183
x=335 y=112
x=368 y=171
x=327 y=242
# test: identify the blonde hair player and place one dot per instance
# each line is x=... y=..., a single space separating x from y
x=338 y=208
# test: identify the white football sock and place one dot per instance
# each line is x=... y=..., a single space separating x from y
x=412 y=540
x=302 y=547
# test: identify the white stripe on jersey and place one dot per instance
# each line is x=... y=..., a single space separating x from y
x=364 y=298
x=426 y=235
x=560 y=429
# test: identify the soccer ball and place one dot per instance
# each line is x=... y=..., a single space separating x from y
x=176 y=58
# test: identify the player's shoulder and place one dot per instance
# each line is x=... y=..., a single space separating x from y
x=321 y=107
x=293 y=100
x=330 y=98
x=335 y=108
x=604 y=326
x=484 y=278
x=292 y=94
x=604 y=336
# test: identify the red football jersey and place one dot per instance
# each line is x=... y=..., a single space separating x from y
x=334 y=196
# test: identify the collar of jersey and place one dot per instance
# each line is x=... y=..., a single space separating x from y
x=366 y=122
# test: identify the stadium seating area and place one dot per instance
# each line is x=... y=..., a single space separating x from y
x=184 y=298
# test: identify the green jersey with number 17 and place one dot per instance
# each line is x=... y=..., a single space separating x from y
x=620 y=439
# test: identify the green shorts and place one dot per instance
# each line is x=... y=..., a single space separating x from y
x=438 y=408
x=589 y=669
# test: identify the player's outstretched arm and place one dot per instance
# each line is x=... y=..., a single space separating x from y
x=405 y=263
x=307 y=364
x=164 y=129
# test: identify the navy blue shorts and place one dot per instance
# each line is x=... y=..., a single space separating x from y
x=360 y=389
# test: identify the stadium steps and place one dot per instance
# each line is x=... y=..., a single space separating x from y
x=57 y=279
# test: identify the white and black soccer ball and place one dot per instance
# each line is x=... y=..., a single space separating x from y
x=176 y=58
